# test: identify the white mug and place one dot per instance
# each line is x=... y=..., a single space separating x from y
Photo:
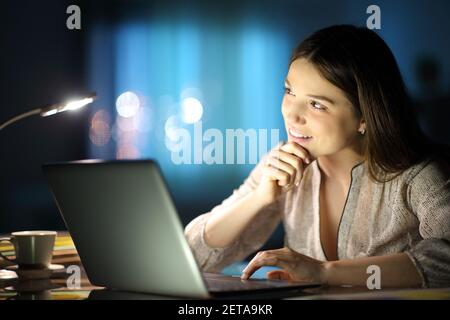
x=34 y=249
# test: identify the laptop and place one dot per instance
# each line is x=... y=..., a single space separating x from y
x=128 y=234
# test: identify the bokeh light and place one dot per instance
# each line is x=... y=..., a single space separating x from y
x=192 y=110
x=173 y=123
x=125 y=124
x=127 y=151
x=143 y=119
x=99 y=131
x=127 y=104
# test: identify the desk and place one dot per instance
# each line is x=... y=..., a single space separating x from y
x=65 y=254
x=55 y=288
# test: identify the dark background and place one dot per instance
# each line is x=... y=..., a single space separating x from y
x=43 y=62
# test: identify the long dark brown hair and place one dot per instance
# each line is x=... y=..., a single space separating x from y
x=359 y=62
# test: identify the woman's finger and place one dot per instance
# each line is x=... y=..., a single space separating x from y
x=296 y=149
x=277 y=174
x=293 y=160
x=284 y=166
x=279 y=275
x=260 y=260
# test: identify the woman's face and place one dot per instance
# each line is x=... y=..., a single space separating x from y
x=317 y=115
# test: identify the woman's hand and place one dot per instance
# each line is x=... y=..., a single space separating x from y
x=282 y=170
x=296 y=267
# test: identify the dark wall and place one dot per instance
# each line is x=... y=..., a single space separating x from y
x=41 y=63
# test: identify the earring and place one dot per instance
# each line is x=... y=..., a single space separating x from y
x=363 y=131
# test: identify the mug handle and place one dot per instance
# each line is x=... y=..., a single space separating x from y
x=10 y=239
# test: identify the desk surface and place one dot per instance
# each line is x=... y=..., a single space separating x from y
x=65 y=254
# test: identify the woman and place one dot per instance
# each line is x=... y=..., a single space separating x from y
x=355 y=185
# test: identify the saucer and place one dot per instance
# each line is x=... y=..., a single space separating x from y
x=33 y=274
x=7 y=274
x=32 y=286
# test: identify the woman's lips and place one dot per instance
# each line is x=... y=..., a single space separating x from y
x=298 y=136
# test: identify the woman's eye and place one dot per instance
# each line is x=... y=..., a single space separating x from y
x=317 y=105
x=288 y=91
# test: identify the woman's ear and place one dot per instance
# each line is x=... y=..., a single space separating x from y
x=362 y=126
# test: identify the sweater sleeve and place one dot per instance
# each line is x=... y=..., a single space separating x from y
x=430 y=200
x=252 y=238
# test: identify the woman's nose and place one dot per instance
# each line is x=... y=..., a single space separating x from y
x=295 y=116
